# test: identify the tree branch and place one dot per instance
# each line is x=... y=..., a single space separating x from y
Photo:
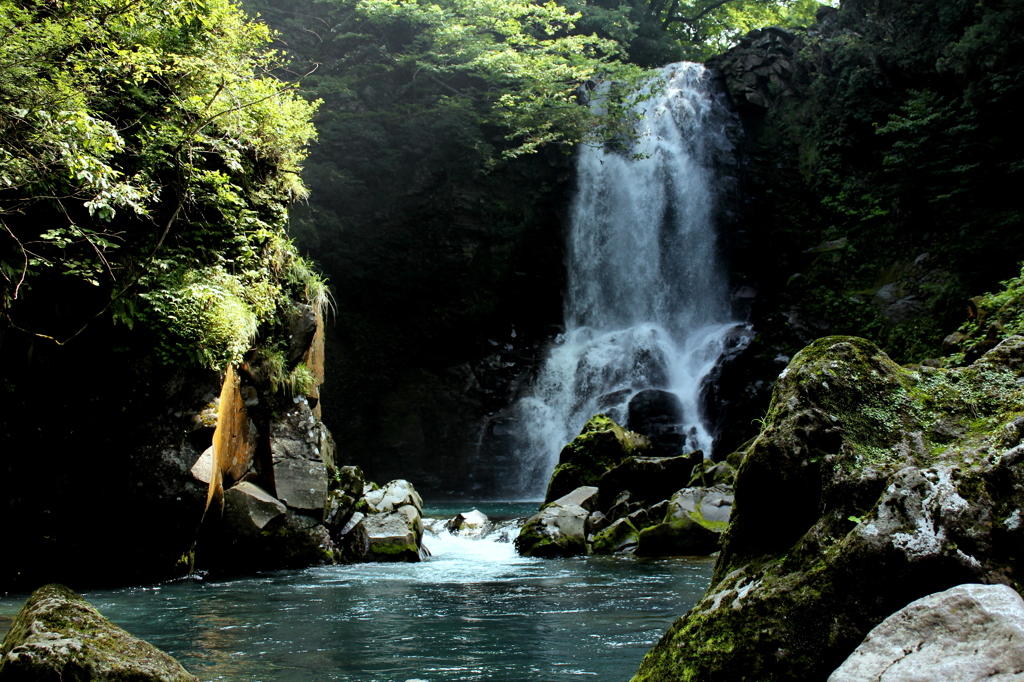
x=670 y=19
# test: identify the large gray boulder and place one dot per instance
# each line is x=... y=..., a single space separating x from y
x=967 y=633
x=248 y=509
x=58 y=635
x=302 y=485
x=559 y=529
x=395 y=535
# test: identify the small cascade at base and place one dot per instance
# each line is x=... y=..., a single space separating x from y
x=647 y=304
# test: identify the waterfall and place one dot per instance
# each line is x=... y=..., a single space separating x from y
x=647 y=304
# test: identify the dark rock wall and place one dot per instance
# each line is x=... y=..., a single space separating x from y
x=441 y=323
x=870 y=178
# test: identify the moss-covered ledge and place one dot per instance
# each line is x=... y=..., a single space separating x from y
x=871 y=485
x=58 y=635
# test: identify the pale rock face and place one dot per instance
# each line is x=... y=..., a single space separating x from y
x=395 y=494
x=966 y=633
x=584 y=496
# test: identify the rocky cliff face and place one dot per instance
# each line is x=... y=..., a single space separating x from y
x=867 y=206
x=869 y=486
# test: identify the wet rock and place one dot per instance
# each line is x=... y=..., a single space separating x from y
x=693 y=523
x=301 y=321
x=471 y=524
x=619 y=538
x=624 y=505
x=585 y=496
x=596 y=522
x=58 y=635
x=557 y=530
x=349 y=479
x=658 y=415
x=967 y=633
x=710 y=473
x=352 y=540
x=202 y=470
x=395 y=535
x=648 y=479
x=338 y=509
x=302 y=485
x=879 y=512
x=601 y=445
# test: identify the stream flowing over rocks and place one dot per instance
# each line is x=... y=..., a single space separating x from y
x=871 y=485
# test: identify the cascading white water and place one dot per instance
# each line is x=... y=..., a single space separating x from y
x=647 y=305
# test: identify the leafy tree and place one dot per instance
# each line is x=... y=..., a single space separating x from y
x=655 y=32
x=147 y=158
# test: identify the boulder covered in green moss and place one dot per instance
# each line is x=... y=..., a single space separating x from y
x=58 y=635
x=870 y=486
x=693 y=523
x=601 y=445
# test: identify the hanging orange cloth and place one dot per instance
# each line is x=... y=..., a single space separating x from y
x=233 y=440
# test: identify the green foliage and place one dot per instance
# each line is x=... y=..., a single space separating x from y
x=147 y=152
x=994 y=317
x=655 y=32
x=901 y=148
x=301 y=381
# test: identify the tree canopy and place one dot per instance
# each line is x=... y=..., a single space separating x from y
x=147 y=157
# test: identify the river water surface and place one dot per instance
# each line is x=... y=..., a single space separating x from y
x=473 y=611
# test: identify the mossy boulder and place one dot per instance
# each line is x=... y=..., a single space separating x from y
x=709 y=473
x=693 y=523
x=620 y=537
x=58 y=635
x=395 y=535
x=601 y=445
x=870 y=486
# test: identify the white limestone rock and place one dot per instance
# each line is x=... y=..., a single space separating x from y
x=965 y=634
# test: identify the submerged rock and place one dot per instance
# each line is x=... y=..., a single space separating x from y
x=967 y=633
x=871 y=485
x=58 y=635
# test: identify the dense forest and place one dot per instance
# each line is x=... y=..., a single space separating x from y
x=178 y=180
